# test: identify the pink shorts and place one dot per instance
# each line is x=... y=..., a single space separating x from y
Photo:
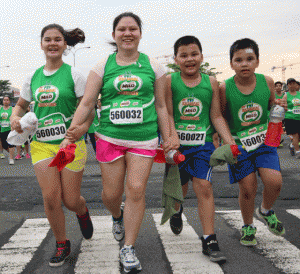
x=107 y=152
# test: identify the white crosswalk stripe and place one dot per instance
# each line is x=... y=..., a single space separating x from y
x=281 y=252
x=18 y=252
x=101 y=252
x=184 y=251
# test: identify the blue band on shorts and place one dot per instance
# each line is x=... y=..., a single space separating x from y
x=248 y=162
x=196 y=163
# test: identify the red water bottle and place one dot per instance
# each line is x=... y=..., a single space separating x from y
x=174 y=157
x=273 y=136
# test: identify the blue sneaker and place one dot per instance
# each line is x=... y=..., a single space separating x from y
x=129 y=260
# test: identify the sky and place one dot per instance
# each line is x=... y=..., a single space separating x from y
x=274 y=25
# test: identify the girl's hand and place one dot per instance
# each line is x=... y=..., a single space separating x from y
x=283 y=102
x=171 y=143
x=65 y=143
x=15 y=124
x=75 y=133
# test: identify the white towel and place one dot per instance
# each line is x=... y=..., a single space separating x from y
x=29 y=125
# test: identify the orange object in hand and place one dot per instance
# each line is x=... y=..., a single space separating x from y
x=63 y=157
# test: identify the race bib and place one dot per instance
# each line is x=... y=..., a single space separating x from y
x=296 y=110
x=254 y=137
x=51 y=128
x=126 y=112
x=5 y=124
x=191 y=135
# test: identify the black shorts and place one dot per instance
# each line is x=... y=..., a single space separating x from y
x=4 y=135
x=292 y=126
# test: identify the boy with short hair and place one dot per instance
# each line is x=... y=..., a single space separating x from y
x=245 y=100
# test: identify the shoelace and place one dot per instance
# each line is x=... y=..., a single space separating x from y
x=60 y=251
x=129 y=255
x=118 y=226
x=272 y=219
x=213 y=245
x=250 y=231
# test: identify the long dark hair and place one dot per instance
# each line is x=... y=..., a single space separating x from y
x=72 y=37
x=117 y=20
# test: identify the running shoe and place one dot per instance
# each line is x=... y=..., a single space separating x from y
x=210 y=248
x=86 y=225
x=118 y=229
x=270 y=219
x=297 y=154
x=2 y=156
x=11 y=161
x=292 y=150
x=176 y=222
x=27 y=156
x=248 y=235
x=18 y=157
x=62 y=253
x=129 y=260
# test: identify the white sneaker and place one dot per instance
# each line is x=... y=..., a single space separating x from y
x=11 y=161
x=2 y=156
x=297 y=154
x=129 y=260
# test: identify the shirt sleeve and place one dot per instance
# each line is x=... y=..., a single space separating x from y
x=157 y=68
x=79 y=82
x=99 y=68
x=26 y=92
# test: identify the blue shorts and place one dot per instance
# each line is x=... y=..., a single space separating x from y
x=196 y=162
x=248 y=162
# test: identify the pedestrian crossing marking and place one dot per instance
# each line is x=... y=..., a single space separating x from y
x=100 y=252
x=184 y=251
x=281 y=252
x=18 y=252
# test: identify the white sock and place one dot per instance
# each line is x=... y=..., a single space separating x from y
x=205 y=236
x=298 y=151
x=291 y=145
x=264 y=211
x=127 y=246
x=252 y=225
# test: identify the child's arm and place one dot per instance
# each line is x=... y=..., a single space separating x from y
x=271 y=86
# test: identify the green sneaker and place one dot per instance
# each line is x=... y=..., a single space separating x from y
x=248 y=235
x=273 y=224
x=2 y=156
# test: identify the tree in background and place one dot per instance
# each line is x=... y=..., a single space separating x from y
x=4 y=86
x=204 y=68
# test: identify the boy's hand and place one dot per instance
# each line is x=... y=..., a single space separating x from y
x=171 y=143
x=15 y=125
x=282 y=102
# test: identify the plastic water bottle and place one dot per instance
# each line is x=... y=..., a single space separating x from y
x=174 y=157
x=274 y=131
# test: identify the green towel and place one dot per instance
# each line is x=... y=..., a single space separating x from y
x=172 y=192
x=221 y=156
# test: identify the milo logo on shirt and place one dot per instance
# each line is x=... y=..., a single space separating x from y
x=47 y=95
x=250 y=114
x=128 y=84
x=296 y=102
x=190 y=108
x=4 y=115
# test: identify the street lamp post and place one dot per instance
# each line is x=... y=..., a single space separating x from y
x=74 y=52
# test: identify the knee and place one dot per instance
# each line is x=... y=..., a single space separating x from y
x=52 y=200
x=111 y=195
x=135 y=193
x=247 y=194
x=71 y=204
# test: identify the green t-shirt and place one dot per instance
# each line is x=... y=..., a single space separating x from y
x=248 y=112
x=55 y=103
x=127 y=97
x=4 y=118
x=293 y=103
x=191 y=110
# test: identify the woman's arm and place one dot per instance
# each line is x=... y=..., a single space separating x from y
x=18 y=112
x=163 y=117
x=87 y=104
x=218 y=106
